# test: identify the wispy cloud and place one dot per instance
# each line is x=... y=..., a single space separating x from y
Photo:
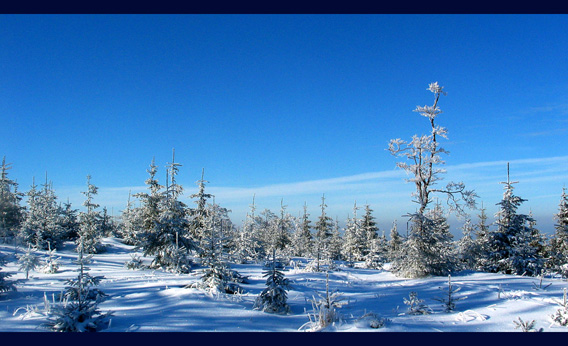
x=556 y=108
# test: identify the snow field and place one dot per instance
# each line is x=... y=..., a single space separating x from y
x=157 y=301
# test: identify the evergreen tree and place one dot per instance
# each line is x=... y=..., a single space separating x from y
x=303 y=238
x=90 y=222
x=51 y=263
x=199 y=214
x=11 y=213
x=467 y=247
x=508 y=246
x=559 y=241
x=273 y=298
x=171 y=241
x=395 y=243
x=283 y=229
x=5 y=284
x=323 y=234
x=353 y=238
x=42 y=226
x=370 y=228
x=420 y=256
x=79 y=310
x=132 y=226
x=142 y=223
x=378 y=252
x=28 y=261
x=217 y=277
x=108 y=226
x=69 y=222
x=335 y=243
x=482 y=240
x=250 y=245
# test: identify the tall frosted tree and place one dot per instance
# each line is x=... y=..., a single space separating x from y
x=335 y=243
x=395 y=243
x=467 y=247
x=198 y=214
x=148 y=214
x=11 y=212
x=423 y=159
x=90 y=233
x=370 y=228
x=217 y=276
x=559 y=242
x=508 y=248
x=250 y=243
x=132 y=227
x=354 y=238
x=170 y=241
x=482 y=240
x=69 y=221
x=283 y=231
x=323 y=235
x=42 y=226
x=303 y=238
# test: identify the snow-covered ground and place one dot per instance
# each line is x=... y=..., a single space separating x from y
x=156 y=301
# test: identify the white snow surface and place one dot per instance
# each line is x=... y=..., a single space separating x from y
x=156 y=301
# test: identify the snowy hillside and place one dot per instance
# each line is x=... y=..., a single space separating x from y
x=156 y=301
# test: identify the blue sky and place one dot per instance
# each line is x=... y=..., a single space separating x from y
x=285 y=106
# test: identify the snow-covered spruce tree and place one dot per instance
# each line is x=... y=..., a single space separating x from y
x=449 y=299
x=69 y=222
x=467 y=246
x=322 y=237
x=42 y=225
x=559 y=243
x=143 y=221
x=131 y=229
x=217 y=277
x=377 y=255
x=282 y=232
x=198 y=214
x=108 y=225
x=79 y=311
x=171 y=241
x=266 y=223
x=482 y=240
x=334 y=245
x=5 y=284
x=395 y=243
x=28 y=261
x=370 y=228
x=250 y=243
x=420 y=256
x=11 y=213
x=303 y=238
x=354 y=239
x=509 y=251
x=90 y=223
x=273 y=298
x=51 y=263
